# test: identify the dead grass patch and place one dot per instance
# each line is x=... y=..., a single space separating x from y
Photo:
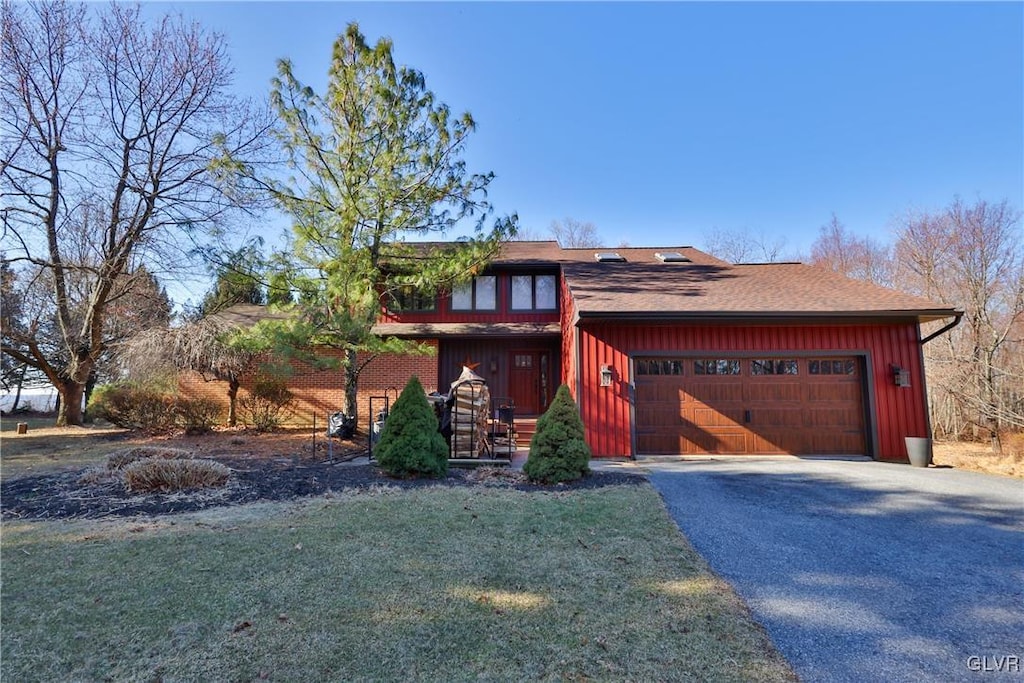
x=497 y=475
x=167 y=475
x=980 y=458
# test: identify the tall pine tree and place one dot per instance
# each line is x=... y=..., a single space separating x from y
x=375 y=163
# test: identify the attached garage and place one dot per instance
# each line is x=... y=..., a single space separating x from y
x=796 y=404
x=676 y=352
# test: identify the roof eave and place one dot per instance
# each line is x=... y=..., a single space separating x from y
x=918 y=315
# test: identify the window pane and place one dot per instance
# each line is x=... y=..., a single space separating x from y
x=728 y=367
x=677 y=367
x=837 y=367
x=522 y=292
x=761 y=367
x=641 y=367
x=850 y=367
x=462 y=297
x=485 y=293
x=698 y=367
x=812 y=367
x=788 y=367
x=546 y=299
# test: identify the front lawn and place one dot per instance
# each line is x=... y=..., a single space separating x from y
x=426 y=584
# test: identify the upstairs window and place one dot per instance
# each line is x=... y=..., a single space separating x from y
x=534 y=293
x=480 y=294
x=409 y=298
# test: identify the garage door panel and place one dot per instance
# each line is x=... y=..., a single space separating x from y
x=758 y=413
x=709 y=417
x=842 y=390
x=774 y=392
x=696 y=441
x=708 y=392
x=777 y=417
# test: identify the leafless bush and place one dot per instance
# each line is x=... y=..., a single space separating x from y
x=197 y=415
x=266 y=405
x=162 y=475
x=118 y=460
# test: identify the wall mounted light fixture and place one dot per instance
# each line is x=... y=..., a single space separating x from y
x=606 y=375
x=900 y=377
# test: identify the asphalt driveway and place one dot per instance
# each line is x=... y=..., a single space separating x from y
x=864 y=571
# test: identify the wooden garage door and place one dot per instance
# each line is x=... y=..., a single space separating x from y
x=764 y=405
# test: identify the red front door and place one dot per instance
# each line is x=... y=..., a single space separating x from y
x=529 y=383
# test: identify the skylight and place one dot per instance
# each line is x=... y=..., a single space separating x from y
x=608 y=256
x=670 y=257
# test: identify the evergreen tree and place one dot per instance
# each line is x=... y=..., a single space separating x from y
x=376 y=164
x=558 y=451
x=411 y=445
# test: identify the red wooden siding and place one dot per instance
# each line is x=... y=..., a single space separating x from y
x=895 y=412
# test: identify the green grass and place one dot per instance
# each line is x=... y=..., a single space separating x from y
x=433 y=584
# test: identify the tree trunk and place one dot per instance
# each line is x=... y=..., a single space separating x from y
x=233 y=385
x=69 y=410
x=351 y=385
x=21 y=381
x=90 y=384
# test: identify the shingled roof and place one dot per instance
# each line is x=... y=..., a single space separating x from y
x=644 y=287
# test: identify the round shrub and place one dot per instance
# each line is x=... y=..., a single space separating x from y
x=410 y=445
x=558 y=451
x=134 y=406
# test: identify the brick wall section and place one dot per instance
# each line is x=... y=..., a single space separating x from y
x=321 y=392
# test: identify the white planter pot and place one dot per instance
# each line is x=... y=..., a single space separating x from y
x=919 y=450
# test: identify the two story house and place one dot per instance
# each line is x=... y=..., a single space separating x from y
x=669 y=351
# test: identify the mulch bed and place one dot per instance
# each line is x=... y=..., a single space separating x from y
x=64 y=496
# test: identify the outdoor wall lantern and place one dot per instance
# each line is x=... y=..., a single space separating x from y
x=900 y=376
x=606 y=375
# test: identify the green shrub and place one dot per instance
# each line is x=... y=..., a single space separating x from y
x=134 y=406
x=267 y=403
x=410 y=445
x=163 y=475
x=558 y=451
x=197 y=415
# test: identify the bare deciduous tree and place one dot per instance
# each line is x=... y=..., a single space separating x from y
x=971 y=256
x=861 y=258
x=742 y=246
x=574 y=234
x=110 y=127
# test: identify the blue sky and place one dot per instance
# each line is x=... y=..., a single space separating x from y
x=663 y=122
